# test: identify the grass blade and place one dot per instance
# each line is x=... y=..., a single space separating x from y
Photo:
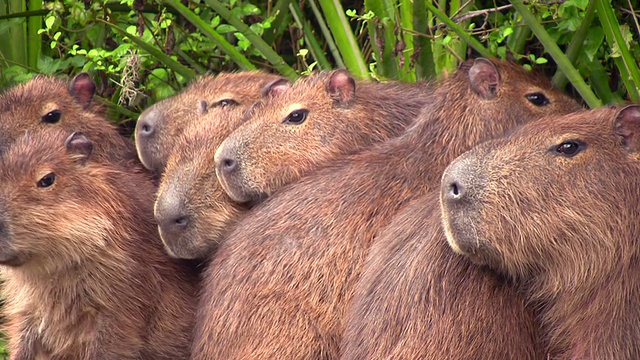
x=162 y=57
x=558 y=56
x=381 y=32
x=34 y=41
x=344 y=38
x=218 y=39
x=264 y=48
x=425 y=67
x=327 y=35
x=625 y=62
x=309 y=39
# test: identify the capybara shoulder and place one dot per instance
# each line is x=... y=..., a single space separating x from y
x=160 y=124
x=555 y=206
x=48 y=102
x=85 y=273
x=306 y=244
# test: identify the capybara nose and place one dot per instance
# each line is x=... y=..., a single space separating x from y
x=228 y=165
x=173 y=223
x=146 y=125
x=453 y=189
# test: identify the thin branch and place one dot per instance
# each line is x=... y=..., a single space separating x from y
x=472 y=14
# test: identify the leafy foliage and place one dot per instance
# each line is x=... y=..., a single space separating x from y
x=141 y=51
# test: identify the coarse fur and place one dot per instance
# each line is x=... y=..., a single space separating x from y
x=160 y=125
x=85 y=272
x=49 y=102
x=279 y=285
x=383 y=322
x=339 y=116
x=555 y=205
x=191 y=208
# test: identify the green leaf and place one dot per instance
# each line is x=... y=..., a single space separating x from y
x=593 y=42
x=49 y=21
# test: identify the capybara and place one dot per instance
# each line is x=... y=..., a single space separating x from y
x=555 y=206
x=192 y=210
x=85 y=273
x=280 y=282
x=46 y=102
x=417 y=299
x=160 y=124
x=320 y=117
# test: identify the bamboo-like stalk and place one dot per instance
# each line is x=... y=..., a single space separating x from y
x=573 y=50
x=280 y=22
x=327 y=35
x=382 y=33
x=406 y=73
x=264 y=48
x=345 y=40
x=558 y=56
x=34 y=41
x=218 y=39
x=470 y=40
x=626 y=64
x=17 y=50
x=312 y=43
x=425 y=67
x=165 y=59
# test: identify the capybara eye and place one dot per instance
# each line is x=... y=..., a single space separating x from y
x=47 y=180
x=52 y=117
x=296 y=117
x=537 y=99
x=226 y=102
x=569 y=148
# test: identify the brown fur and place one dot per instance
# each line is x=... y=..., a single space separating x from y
x=382 y=321
x=191 y=208
x=25 y=108
x=85 y=274
x=564 y=227
x=161 y=124
x=343 y=117
x=280 y=283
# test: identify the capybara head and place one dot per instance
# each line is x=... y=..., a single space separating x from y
x=191 y=208
x=55 y=206
x=556 y=199
x=486 y=97
x=46 y=102
x=161 y=123
x=295 y=129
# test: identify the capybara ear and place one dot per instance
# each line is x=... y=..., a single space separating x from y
x=79 y=147
x=484 y=78
x=82 y=88
x=275 y=87
x=627 y=126
x=342 y=87
x=202 y=107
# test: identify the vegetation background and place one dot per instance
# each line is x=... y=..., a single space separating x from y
x=141 y=51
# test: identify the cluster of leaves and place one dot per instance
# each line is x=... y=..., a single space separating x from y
x=141 y=51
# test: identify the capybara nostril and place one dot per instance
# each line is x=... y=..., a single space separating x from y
x=229 y=165
x=145 y=128
x=181 y=222
x=455 y=190
x=452 y=188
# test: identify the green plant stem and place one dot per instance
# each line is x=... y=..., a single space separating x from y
x=310 y=40
x=425 y=67
x=220 y=41
x=558 y=56
x=255 y=40
x=470 y=40
x=280 y=21
x=573 y=50
x=162 y=57
x=626 y=64
x=327 y=35
x=34 y=41
x=406 y=20
x=381 y=32
x=344 y=38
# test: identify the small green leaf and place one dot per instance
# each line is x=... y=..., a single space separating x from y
x=49 y=21
x=225 y=29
